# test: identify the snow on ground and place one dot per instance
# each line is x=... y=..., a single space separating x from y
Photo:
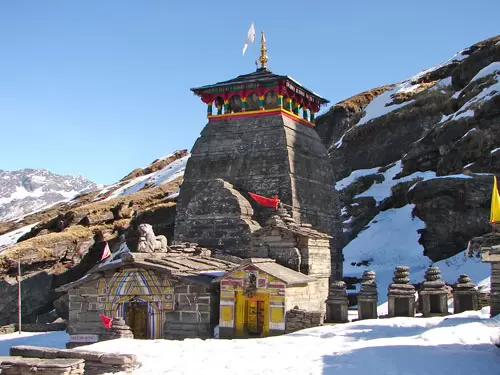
x=10 y=238
x=391 y=240
x=459 y=56
x=48 y=339
x=382 y=190
x=493 y=68
x=486 y=94
x=457 y=344
x=381 y=105
x=169 y=173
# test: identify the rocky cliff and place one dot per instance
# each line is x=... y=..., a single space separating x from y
x=420 y=153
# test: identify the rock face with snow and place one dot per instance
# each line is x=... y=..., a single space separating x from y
x=28 y=190
x=413 y=161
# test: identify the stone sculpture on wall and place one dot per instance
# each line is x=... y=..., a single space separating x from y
x=149 y=242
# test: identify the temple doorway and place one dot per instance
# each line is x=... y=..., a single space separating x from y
x=136 y=317
x=252 y=315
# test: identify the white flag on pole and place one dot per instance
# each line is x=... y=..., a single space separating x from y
x=250 y=37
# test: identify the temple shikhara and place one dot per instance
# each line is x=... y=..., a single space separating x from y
x=260 y=138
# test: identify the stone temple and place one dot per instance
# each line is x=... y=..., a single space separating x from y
x=260 y=138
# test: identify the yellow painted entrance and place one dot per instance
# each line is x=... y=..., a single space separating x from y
x=252 y=315
x=137 y=319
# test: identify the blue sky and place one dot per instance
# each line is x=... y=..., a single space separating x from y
x=100 y=87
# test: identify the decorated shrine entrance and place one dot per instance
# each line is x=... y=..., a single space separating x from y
x=252 y=315
x=136 y=317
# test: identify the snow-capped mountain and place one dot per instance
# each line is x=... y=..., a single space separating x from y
x=28 y=190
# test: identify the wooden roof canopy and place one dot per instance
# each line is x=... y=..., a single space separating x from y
x=260 y=82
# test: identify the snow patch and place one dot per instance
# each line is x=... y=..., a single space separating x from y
x=9 y=239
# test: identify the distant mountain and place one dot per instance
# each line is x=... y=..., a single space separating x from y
x=28 y=190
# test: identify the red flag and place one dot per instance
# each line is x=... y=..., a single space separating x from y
x=106 y=252
x=268 y=202
x=106 y=321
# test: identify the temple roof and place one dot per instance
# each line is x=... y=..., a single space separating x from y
x=269 y=266
x=261 y=76
x=198 y=268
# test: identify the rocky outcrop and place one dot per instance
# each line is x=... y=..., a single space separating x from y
x=441 y=122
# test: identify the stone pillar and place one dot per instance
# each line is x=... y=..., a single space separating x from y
x=368 y=297
x=433 y=294
x=464 y=295
x=337 y=303
x=118 y=330
x=401 y=295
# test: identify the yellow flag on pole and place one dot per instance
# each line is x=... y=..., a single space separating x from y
x=495 y=203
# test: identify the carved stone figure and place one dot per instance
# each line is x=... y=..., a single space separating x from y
x=149 y=242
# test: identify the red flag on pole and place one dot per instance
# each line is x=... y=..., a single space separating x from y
x=268 y=202
x=106 y=252
x=106 y=321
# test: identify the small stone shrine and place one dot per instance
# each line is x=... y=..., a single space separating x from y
x=163 y=292
x=433 y=295
x=368 y=297
x=337 y=303
x=255 y=299
x=490 y=253
x=464 y=295
x=401 y=295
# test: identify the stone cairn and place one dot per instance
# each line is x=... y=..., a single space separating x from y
x=433 y=295
x=337 y=303
x=464 y=295
x=118 y=330
x=368 y=297
x=401 y=295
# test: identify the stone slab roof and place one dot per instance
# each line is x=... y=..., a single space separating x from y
x=269 y=266
x=198 y=268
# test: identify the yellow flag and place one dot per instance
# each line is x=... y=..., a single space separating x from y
x=495 y=203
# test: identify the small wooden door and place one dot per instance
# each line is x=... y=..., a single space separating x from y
x=252 y=315
x=137 y=319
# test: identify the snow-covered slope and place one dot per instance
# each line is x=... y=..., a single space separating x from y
x=458 y=344
x=167 y=174
x=414 y=162
x=28 y=190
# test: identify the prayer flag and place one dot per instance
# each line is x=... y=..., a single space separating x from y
x=250 y=37
x=106 y=252
x=495 y=203
x=106 y=321
x=268 y=202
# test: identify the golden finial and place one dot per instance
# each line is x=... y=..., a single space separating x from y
x=263 y=52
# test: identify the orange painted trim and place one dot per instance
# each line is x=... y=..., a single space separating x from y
x=259 y=113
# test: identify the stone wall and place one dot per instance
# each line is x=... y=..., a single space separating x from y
x=268 y=155
x=193 y=315
x=311 y=297
x=315 y=256
x=185 y=311
x=84 y=309
x=218 y=214
x=297 y=319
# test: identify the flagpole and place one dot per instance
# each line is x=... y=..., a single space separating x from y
x=19 y=291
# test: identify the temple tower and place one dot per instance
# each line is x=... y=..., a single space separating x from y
x=260 y=138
